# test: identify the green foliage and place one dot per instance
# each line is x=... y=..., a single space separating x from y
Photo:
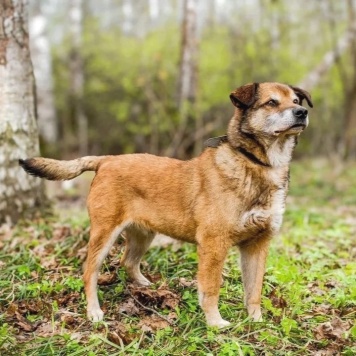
x=130 y=87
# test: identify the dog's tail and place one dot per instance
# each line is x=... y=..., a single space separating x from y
x=53 y=169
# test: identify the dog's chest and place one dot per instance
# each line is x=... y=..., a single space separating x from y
x=256 y=195
x=265 y=208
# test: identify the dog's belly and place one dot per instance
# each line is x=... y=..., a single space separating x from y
x=170 y=222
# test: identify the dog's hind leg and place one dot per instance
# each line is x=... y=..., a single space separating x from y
x=253 y=260
x=101 y=240
x=138 y=241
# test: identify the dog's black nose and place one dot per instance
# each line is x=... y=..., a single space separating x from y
x=300 y=113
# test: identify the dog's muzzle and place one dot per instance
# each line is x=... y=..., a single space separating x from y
x=300 y=114
x=299 y=122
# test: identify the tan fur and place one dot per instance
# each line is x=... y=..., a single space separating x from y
x=222 y=198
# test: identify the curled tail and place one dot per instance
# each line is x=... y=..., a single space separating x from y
x=53 y=169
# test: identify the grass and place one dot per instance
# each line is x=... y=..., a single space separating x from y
x=309 y=294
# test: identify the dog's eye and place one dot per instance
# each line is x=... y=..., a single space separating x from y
x=272 y=102
x=296 y=101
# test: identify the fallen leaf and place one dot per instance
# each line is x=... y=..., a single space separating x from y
x=334 y=329
x=315 y=289
x=107 y=279
x=78 y=336
x=12 y=309
x=170 y=300
x=322 y=309
x=115 y=338
x=23 y=323
x=68 y=299
x=129 y=307
x=49 y=263
x=184 y=283
x=332 y=284
x=119 y=332
x=277 y=300
x=68 y=319
x=154 y=277
x=160 y=298
x=152 y=323
x=61 y=232
x=48 y=329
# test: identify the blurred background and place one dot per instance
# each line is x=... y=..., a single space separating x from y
x=123 y=76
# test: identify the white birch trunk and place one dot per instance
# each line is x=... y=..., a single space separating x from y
x=42 y=63
x=188 y=73
x=77 y=74
x=189 y=52
x=19 y=192
x=128 y=22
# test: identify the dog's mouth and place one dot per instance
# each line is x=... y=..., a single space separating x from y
x=294 y=128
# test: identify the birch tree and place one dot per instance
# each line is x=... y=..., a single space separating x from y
x=350 y=95
x=19 y=192
x=42 y=61
x=188 y=72
x=77 y=74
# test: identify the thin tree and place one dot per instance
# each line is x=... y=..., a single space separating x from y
x=188 y=73
x=350 y=92
x=42 y=61
x=19 y=192
x=77 y=74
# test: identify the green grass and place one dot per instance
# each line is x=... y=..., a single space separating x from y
x=309 y=294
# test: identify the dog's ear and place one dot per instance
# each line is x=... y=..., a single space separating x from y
x=303 y=94
x=245 y=96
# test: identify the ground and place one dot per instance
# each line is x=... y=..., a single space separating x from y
x=309 y=294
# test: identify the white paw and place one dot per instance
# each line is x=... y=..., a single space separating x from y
x=257 y=319
x=254 y=312
x=142 y=281
x=95 y=314
x=221 y=323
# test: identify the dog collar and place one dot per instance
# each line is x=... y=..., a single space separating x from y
x=215 y=142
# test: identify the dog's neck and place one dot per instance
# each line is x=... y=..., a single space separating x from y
x=262 y=150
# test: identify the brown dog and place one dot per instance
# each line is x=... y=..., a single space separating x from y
x=233 y=194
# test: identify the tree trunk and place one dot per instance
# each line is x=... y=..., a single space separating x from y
x=20 y=193
x=41 y=56
x=77 y=74
x=188 y=74
x=350 y=97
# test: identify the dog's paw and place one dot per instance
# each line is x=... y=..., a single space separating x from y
x=142 y=281
x=95 y=315
x=254 y=312
x=219 y=323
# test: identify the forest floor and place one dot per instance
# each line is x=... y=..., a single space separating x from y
x=309 y=294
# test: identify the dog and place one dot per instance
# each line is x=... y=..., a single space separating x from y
x=232 y=194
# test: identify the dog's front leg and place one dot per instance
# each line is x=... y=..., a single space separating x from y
x=211 y=261
x=253 y=261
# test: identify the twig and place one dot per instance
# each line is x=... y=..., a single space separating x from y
x=151 y=310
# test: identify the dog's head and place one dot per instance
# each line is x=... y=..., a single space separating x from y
x=271 y=109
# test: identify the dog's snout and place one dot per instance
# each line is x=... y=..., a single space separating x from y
x=300 y=113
